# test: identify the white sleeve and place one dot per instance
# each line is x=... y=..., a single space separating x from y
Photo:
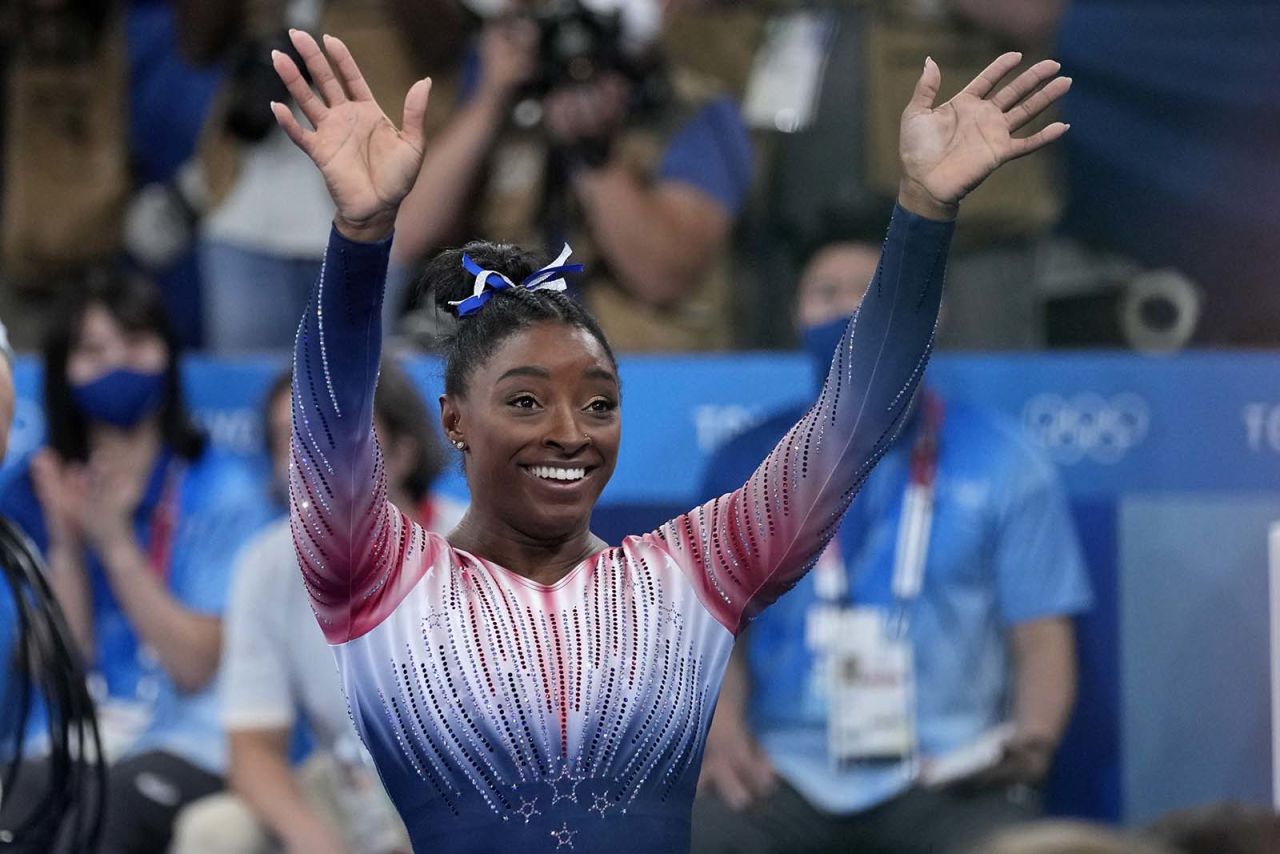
x=256 y=688
x=6 y=351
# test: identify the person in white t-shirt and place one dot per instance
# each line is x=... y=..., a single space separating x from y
x=278 y=669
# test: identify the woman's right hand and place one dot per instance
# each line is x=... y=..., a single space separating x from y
x=508 y=58
x=368 y=165
x=62 y=488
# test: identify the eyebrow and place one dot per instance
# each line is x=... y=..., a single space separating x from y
x=526 y=371
x=543 y=373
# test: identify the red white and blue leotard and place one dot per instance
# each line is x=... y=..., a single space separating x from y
x=506 y=715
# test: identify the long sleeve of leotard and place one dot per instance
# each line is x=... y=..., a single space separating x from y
x=351 y=541
x=744 y=549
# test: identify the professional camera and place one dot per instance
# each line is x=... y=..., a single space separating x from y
x=253 y=84
x=577 y=44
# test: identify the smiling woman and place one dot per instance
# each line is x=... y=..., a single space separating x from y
x=520 y=684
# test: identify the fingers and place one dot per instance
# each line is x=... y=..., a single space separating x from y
x=1025 y=83
x=318 y=65
x=1037 y=103
x=761 y=775
x=312 y=107
x=1023 y=147
x=415 y=113
x=284 y=118
x=982 y=85
x=926 y=91
x=732 y=789
x=347 y=67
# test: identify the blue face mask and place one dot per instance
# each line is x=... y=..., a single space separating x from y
x=121 y=398
x=820 y=343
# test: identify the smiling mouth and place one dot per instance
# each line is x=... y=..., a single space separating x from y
x=558 y=474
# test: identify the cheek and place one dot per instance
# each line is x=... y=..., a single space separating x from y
x=149 y=357
x=85 y=367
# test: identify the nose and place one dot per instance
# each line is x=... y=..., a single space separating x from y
x=564 y=435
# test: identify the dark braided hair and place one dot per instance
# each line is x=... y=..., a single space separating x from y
x=477 y=336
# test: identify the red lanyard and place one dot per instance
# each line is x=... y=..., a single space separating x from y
x=164 y=523
x=924 y=452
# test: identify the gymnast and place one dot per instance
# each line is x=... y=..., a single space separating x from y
x=519 y=683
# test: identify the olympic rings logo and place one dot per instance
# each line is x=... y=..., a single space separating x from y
x=1087 y=426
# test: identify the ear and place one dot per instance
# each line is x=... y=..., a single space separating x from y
x=451 y=419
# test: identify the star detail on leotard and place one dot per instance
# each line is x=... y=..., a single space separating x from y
x=568 y=779
x=563 y=836
x=600 y=804
x=669 y=614
x=528 y=809
x=436 y=619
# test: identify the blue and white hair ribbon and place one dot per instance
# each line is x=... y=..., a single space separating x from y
x=489 y=282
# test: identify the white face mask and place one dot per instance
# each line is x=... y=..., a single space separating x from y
x=641 y=20
x=487 y=8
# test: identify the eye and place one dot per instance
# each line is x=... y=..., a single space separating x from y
x=602 y=404
x=523 y=401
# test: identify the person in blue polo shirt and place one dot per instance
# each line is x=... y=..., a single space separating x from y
x=909 y=694
x=139 y=523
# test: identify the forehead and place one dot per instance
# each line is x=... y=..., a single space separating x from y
x=841 y=267
x=558 y=348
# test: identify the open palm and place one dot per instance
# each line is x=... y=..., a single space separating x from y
x=946 y=151
x=368 y=165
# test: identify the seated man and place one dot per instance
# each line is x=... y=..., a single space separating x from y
x=278 y=670
x=938 y=619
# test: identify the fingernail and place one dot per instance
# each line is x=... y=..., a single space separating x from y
x=275 y=53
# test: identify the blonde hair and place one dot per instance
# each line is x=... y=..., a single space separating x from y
x=1066 y=837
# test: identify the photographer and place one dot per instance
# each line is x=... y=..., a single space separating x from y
x=263 y=204
x=574 y=130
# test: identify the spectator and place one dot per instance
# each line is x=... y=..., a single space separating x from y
x=279 y=670
x=996 y=576
x=1066 y=837
x=645 y=189
x=828 y=174
x=1228 y=828
x=262 y=239
x=139 y=523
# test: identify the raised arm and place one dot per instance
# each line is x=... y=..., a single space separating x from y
x=351 y=541
x=745 y=549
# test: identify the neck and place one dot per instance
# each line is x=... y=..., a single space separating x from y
x=544 y=560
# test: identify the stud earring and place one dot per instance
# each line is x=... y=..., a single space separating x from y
x=460 y=445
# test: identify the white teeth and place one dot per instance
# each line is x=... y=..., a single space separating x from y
x=554 y=473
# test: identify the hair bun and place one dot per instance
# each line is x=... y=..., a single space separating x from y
x=447 y=282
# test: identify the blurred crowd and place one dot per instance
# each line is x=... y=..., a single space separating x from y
x=726 y=171
x=694 y=152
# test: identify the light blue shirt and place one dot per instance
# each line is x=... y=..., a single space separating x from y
x=1002 y=552
x=220 y=504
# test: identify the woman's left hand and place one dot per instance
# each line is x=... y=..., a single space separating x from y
x=946 y=151
x=117 y=477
